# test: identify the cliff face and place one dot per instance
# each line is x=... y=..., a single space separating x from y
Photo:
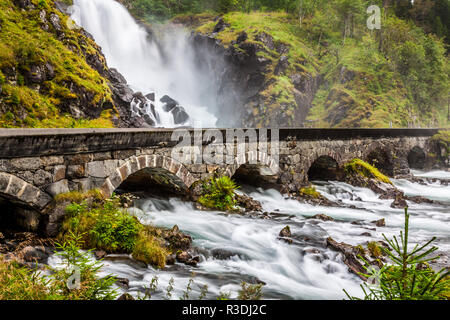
x=278 y=72
x=263 y=80
x=52 y=73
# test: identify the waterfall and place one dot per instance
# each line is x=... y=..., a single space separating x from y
x=163 y=66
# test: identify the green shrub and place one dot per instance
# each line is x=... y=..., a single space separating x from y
x=20 y=283
x=149 y=250
x=219 y=193
x=409 y=277
x=358 y=166
x=250 y=291
x=309 y=192
x=104 y=225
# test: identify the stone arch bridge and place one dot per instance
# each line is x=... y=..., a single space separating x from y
x=38 y=164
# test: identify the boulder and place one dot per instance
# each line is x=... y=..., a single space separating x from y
x=350 y=256
x=323 y=217
x=169 y=103
x=180 y=116
x=380 y=223
x=150 y=96
x=248 y=203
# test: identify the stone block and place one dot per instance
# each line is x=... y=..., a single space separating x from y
x=59 y=173
x=56 y=188
x=51 y=161
x=76 y=171
x=24 y=164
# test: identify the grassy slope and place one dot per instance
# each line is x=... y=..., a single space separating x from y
x=374 y=95
x=22 y=43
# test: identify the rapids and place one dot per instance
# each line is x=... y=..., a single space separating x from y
x=302 y=270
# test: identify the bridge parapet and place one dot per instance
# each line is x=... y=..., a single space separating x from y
x=36 y=165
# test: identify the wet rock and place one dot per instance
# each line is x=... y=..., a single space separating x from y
x=419 y=199
x=176 y=239
x=170 y=259
x=285 y=232
x=124 y=283
x=366 y=234
x=222 y=254
x=126 y=296
x=169 y=103
x=248 y=203
x=139 y=98
x=350 y=256
x=322 y=217
x=180 y=116
x=100 y=254
x=285 y=235
x=183 y=256
x=380 y=223
x=399 y=203
x=150 y=96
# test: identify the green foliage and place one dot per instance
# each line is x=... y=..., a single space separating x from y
x=149 y=250
x=20 y=283
x=104 y=225
x=409 y=277
x=358 y=166
x=218 y=193
x=24 y=44
x=309 y=192
x=250 y=291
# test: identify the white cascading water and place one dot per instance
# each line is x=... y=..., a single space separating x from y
x=296 y=271
x=163 y=67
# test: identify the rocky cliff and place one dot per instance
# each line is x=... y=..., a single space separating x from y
x=264 y=79
x=53 y=74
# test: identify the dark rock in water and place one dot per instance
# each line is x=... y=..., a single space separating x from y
x=126 y=296
x=183 y=256
x=419 y=199
x=248 y=203
x=123 y=283
x=380 y=223
x=399 y=203
x=150 y=96
x=38 y=254
x=366 y=234
x=139 y=97
x=170 y=259
x=179 y=115
x=285 y=235
x=222 y=254
x=285 y=232
x=323 y=217
x=149 y=120
x=350 y=256
x=99 y=254
x=169 y=103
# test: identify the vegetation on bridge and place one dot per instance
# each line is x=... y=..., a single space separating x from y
x=362 y=168
x=219 y=193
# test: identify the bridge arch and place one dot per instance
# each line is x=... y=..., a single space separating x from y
x=323 y=159
x=380 y=157
x=20 y=192
x=254 y=168
x=156 y=169
x=416 y=158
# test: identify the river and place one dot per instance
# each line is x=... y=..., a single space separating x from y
x=306 y=269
